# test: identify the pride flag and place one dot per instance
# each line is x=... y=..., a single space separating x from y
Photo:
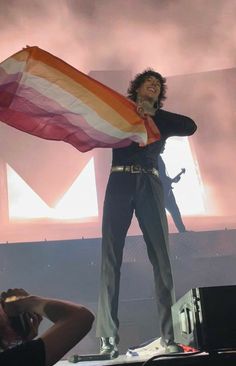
x=42 y=95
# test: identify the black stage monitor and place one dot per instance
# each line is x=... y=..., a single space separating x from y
x=205 y=318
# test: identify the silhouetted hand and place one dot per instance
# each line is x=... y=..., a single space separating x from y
x=25 y=324
x=176 y=179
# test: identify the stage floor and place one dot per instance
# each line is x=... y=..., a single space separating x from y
x=122 y=359
x=184 y=359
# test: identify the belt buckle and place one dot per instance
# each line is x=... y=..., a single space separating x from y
x=135 y=169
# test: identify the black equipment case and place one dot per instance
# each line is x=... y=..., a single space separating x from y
x=205 y=318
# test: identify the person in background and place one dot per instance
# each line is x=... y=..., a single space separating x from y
x=20 y=317
x=169 y=198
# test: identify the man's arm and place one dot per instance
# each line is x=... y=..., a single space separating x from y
x=71 y=323
x=173 y=124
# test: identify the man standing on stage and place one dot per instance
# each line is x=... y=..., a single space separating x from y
x=134 y=186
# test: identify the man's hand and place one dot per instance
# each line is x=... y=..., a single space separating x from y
x=140 y=111
x=27 y=323
x=33 y=321
x=145 y=108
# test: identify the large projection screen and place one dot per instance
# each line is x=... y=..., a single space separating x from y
x=51 y=191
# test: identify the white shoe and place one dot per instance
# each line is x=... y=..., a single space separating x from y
x=149 y=348
x=154 y=347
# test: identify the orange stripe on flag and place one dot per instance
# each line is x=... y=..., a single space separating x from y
x=117 y=101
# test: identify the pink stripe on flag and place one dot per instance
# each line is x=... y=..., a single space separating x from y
x=44 y=104
x=58 y=129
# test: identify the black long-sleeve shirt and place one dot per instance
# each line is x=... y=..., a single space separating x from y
x=169 y=124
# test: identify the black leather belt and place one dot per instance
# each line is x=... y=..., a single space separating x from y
x=135 y=169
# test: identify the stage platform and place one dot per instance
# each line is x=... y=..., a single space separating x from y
x=186 y=359
x=69 y=269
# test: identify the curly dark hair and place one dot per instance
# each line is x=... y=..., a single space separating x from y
x=140 y=78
